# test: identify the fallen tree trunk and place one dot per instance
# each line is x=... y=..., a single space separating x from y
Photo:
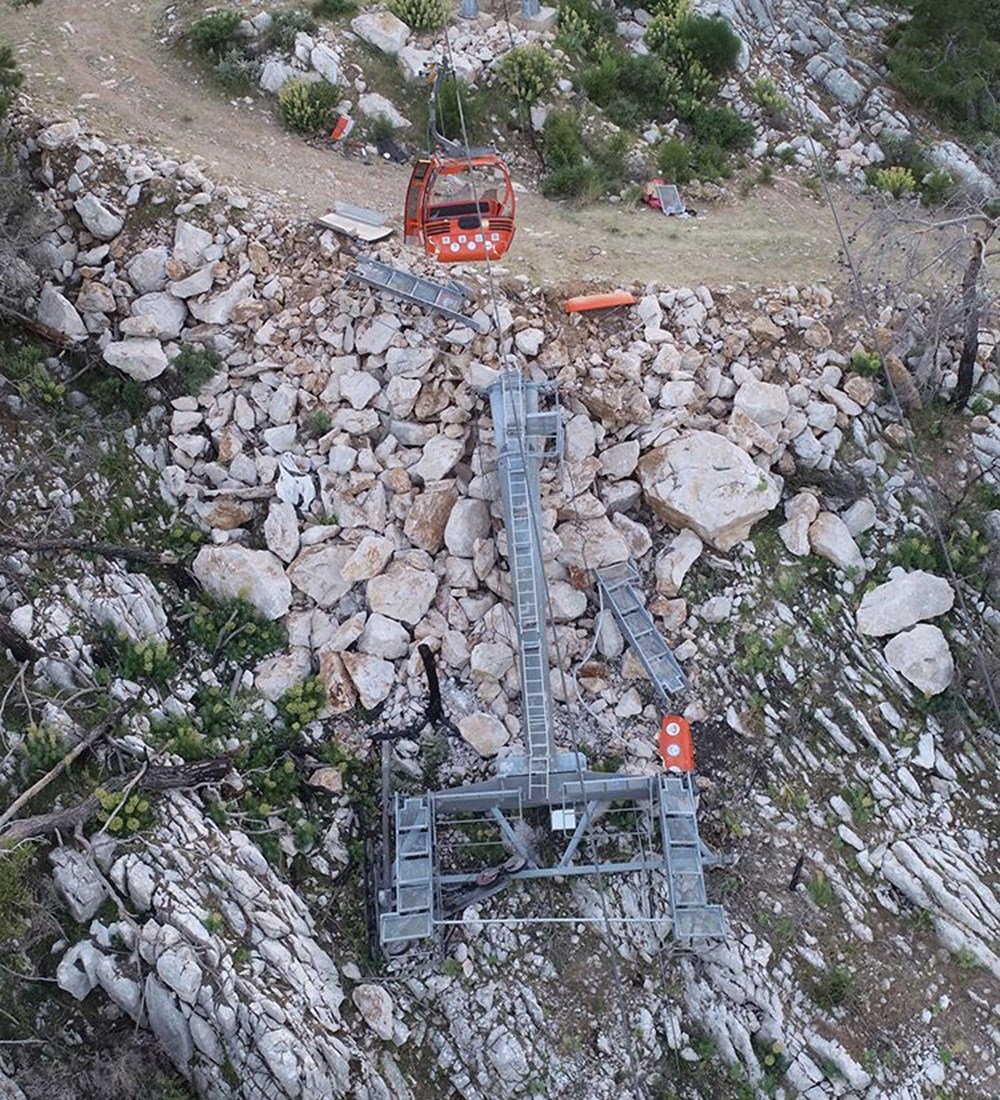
x=158 y=778
x=82 y=546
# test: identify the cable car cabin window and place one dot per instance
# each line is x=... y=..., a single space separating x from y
x=467 y=192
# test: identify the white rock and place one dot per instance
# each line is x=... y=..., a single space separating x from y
x=376 y=1007
x=140 y=358
x=326 y=63
x=402 y=592
x=219 y=309
x=904 y=600
x=704 y=482
x=468 y=521
x=103 y=223
x=57 y=313
x=163 y=315
x=372 y=677
x=95 y=297
x=276 y=74
x=358 y=387
x=529 y=341
x=273 y=676
x=382 y=30
x=830 y=539
x=484 y=732
x=147 y=271
x=860 y=516
x=317 y=571
x=568 y=603
x=77 y=880
x=190 y=243
x=255 y=575
x=619 y=461
x=370 y=557
x=281 y=530
x=439 y=457
x=763 y=402
x=922 y=656
x=673 y=564
x=59 y=134
x=383 y=637
x=198 y=283
x=373 y=105
x=801 y=511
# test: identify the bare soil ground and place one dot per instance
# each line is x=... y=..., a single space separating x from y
x=111 y=64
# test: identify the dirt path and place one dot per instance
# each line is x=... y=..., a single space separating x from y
x=109 y=64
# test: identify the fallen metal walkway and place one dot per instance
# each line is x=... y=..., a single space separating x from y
x=622 y=595
x=448 y=299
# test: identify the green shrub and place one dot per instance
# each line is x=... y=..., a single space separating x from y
x=145 y=660
x=832 y=988
x=713 y=42
x=709 y=163
x=765 y=93
x=947 y=58
x=673 y=160
x=720 y=126
x=195 y=367
x=307 y=107
x=302 y=704
x=286 y=25
x=181 y=736
x=124 y=816
x=236 y=71
x=120 y=392
x=581 y=24
x=17 y=896
x=421 y=15
x=896 y=180
x=527 y=73
x=233 y=630
x=576 y=170
x=331 y=9
x=937 y=188
x=866 y=363
x=473 y=112
x=669 y=9
x=216 y=34
x=820 y=890
x=43 y=747
x=11 y=78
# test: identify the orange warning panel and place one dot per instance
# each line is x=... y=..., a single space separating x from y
x=599 y=301
x=676 y=746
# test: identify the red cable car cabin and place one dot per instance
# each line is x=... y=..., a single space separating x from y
x=460 y=208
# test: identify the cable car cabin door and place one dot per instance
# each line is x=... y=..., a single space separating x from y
x=460 y=209
x=413 y=229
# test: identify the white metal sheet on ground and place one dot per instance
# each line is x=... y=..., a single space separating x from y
x=364 y=231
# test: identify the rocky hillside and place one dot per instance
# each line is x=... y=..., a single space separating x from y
x=333 y=466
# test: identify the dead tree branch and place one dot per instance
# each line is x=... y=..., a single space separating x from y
x=160 y=778
x=82 y=546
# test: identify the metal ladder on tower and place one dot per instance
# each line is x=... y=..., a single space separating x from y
x=693 y=918
x=517 y=423
x=447 y=299
x=619 y=584
x=413 y=916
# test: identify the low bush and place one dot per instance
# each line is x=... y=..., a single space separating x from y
x=669 y=9
x=720 y=126
x=124 y=815
x=216 y=34
x=43 y=747
x=709 y=163
x=286 y=25
x=195 y=367
x=145 y=660
x=331 y=9
x=895 y=180
x=236 y=71
x=302 y=704
x=527 y=74
x=673 y=160
x=17 y=896
x=712 y=41
x=11 y=78
x=421 y=15
x=833 y=988
x=765 y=93
x=307 y=108
x=937 y=188
x=233 y=630
x=581 y=23
x=473 y=112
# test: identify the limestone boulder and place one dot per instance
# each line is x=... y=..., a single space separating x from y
x=903 y=601
x=765 y=403
x=231 y=571
x=704 y=482
x=427 y=520
x=162 y=316
x=147 y=271
x=382 y=30
x=372 y=677
x=469 y=520
x=281 y=530
x=484 y=732
x=218 y=310
x=374 y=1002
x=140 y=357
x=318 y=571
x=384 y=637
x=370 y=557
x=191 y=242
x=438 y=459
x=402 y=592
x=830 y=538
x=103 y=223
x=921 y=655
x=56 y=312
x=672 y=564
